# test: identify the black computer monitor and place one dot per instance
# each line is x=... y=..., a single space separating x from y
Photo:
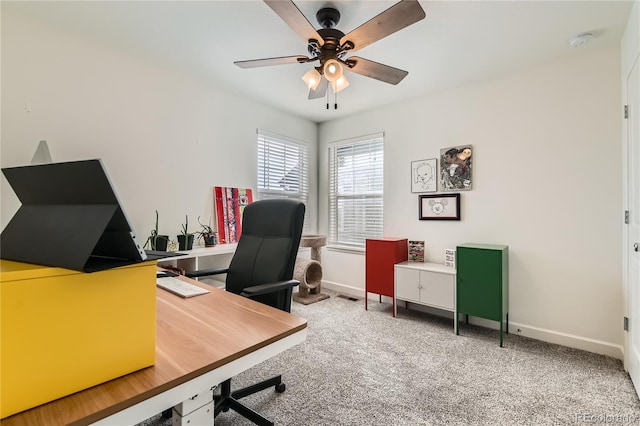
x=70 y=217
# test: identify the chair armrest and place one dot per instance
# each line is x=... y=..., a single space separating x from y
x=206 y=272
x=258 y=290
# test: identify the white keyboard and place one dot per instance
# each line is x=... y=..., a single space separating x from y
x=179 y=287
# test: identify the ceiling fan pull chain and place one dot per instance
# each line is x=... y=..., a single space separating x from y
x=335 y=98
x=328 y=98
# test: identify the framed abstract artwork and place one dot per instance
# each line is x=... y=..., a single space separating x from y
x=229 y=203
x=455 y=168
x=439 y=207
x=424 y=175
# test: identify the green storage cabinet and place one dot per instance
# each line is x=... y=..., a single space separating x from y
x=482 y=282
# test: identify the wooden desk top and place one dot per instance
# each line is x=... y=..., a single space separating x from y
x=194 y=336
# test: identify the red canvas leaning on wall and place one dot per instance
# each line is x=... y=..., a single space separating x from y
x=229 y=205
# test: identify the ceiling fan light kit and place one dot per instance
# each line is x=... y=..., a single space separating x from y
x=340 y=84
x=312 y=79
x=331 y=46
x=332 y=70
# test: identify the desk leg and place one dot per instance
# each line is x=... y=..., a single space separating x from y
x=202 y=416
x=197 y=410
x=366 y=298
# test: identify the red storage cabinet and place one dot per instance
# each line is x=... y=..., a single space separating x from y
x=380 y=256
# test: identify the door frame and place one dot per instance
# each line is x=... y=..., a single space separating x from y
x=632 y=311
x=630 y=57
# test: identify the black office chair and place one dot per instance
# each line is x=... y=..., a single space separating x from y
x=262 y=269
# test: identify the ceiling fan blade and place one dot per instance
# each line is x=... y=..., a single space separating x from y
x=283 y=60
x=292 y=16
x=320 y=91
x=397 y=17
x=375 y=70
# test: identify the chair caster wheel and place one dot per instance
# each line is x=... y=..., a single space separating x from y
x=280 y=387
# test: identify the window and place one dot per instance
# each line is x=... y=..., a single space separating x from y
x=356 y=190
x=283 y=169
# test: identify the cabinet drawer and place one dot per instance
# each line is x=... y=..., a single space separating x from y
x=437 y=289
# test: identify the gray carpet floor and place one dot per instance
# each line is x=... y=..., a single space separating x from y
x=362 y=367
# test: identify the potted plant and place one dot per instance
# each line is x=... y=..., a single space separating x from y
x=207 y=234
x=185 y=240
x=155 y=241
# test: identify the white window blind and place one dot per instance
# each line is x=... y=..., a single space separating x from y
x=283 y=169
x=356 y=191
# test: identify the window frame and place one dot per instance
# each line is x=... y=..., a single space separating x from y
x=376 y=231
x=263 y=139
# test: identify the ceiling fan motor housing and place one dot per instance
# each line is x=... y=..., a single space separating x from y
x=328 y=17
x=330 y=49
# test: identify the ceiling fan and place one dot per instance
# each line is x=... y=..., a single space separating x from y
x=331 y=47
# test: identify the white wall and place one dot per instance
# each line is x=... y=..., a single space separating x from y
x=546 y=182
x=546 y=162
x=165 y=137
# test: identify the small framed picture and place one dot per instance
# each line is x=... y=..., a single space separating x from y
x=455 y=168
x=424 y=175
x=416 y=251
x=439 y=207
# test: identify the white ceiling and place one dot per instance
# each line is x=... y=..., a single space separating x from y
x=457 y=43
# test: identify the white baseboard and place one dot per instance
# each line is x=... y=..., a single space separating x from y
x=545 y=335
x=345 y=289
x=570 y=340
x=556 y=337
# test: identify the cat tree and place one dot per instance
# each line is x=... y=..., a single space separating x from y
x=309 y=272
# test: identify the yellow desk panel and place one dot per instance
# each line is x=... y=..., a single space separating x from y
x=63 y=331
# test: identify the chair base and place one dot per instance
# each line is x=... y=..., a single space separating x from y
x=229 y=400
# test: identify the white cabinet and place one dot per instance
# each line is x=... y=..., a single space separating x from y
x=429 y=284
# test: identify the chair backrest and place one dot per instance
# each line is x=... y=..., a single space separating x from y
x=267 y=249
